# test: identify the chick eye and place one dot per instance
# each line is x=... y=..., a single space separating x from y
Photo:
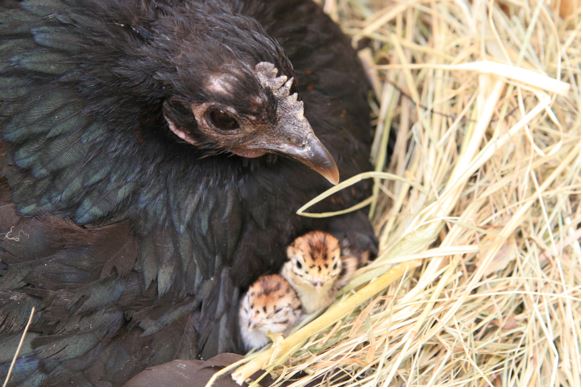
x=222 y=120
x=299 y=264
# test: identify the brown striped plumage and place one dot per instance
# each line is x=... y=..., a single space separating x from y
x=270 y=307
x=313 y=269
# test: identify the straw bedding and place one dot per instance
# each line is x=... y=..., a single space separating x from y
x=477 y=210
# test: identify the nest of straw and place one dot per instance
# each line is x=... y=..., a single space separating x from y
x=477 y=211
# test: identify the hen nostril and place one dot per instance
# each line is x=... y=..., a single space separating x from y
x=296 y=140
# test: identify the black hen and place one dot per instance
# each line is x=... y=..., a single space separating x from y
x=154 y=155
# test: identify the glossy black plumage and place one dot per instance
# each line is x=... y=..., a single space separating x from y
x=135 y=247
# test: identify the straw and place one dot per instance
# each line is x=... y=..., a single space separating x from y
x=478 y=280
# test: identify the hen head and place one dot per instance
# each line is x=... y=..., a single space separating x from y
x=232 y=93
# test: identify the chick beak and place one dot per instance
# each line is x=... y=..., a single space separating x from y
x=318 y=284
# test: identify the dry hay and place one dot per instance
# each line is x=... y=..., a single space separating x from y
x=478 y=209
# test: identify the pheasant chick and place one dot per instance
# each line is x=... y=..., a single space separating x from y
x=270 y=307
x=314 y=269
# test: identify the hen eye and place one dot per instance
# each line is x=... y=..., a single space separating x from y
x=222 y=120
x=299 y=264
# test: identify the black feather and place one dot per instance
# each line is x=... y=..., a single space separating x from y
x=42 y=61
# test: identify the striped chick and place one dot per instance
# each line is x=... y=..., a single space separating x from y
x=270 y=308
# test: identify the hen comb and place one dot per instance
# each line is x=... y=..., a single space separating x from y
x=280 y=87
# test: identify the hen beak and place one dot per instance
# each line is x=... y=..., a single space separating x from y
x=293 y=135
x=298 y=142
x=294 y=139
x=310 y=151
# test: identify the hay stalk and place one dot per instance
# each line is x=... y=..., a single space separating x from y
x=477 y=211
